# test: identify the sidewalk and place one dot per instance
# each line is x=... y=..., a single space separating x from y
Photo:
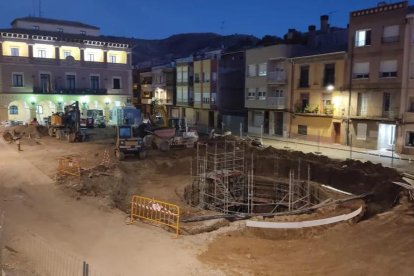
x=402 y=162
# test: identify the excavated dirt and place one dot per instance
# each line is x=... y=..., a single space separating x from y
x=346 y=248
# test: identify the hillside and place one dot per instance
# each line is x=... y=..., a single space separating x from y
x=182 y=45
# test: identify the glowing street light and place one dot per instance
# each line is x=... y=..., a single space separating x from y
x=330 y=88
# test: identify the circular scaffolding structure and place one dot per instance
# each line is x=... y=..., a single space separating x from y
x=224 y=181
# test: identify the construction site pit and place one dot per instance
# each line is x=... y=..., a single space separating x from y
x=234 y=180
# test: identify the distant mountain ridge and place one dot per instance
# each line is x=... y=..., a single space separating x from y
x=158 y=51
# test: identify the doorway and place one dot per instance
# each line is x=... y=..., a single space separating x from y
x=337 y=133
x=211 y=119
x=278 y=123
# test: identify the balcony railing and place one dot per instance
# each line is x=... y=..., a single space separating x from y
x=77 y=91
x=276 y=77
x=275 y=102
x=182 y=102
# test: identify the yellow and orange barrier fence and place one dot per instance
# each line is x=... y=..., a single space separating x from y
x=156 y=211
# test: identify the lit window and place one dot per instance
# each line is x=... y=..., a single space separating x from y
x=90 y=57
x=39 y=109
x=112 y=59
x=14 y=51
x=362 y=38
x=262 y=69
x=388 y=69
x=67 y=54
x=60 y=30
x=82 y=32
x=17 y=80
x=35 y=27
x=251 y=93
x=41 y=53
x=13 y=110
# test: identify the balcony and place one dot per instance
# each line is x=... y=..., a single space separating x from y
x=276 y=102
x=14 y=59
x=276 y=77
x=165 y=101
x=77 y=91
x=183 y=102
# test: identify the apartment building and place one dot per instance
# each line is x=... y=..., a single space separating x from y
x=319 y=98
x=185 y=89
x=405 y=127
x=205 y=89
x=163 y=87
x=46 y=64
x=231 y=95
x=376 y=47
x=267 y=88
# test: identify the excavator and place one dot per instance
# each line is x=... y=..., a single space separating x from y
x=169 y=132
x=66 y=124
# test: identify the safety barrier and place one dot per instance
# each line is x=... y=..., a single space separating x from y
x=156 y=211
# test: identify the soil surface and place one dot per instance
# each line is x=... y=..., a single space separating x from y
x=87 y=216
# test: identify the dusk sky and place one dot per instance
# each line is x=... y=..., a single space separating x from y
x=162 y=18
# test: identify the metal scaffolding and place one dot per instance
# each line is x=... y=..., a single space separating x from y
x=224 y=181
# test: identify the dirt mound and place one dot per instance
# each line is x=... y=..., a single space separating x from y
x=24 y=131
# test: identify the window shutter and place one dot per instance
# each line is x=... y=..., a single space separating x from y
x=388 y=66
x=361 y=68
x=391 y=31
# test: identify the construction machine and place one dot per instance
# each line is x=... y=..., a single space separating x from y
x=128 y=142
x=66 y=124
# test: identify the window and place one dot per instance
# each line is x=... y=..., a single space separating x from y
x=66 y=54
x=179 y=74
x=206 y=76
x=90 y=57
x=13 y=110
x=251 y=93
x=39 y=109
x=251 y=70
x=304 y=76
x=388 y=69
x=185 y=74
x=361 y=131
x=361 y=70
x=261 y=93
x=391 y=34
x=263 y=69
x=116 y=83
x=409 y=139
x=41 y=53
x=386 y=106
x=14 y=51
x=17 y=80
x=327 y=104
x=45 y=82
x=362 y=104
x=302 y=129
x=329 y=75
x=59 y=30
x=94 y=82
x=304 y=101
x=70 y=82
x=197 y=77
x=214 y=76
x=35 y=27
x=411 y=105
x=112 y=59
x=82 y=32
x=362 y=38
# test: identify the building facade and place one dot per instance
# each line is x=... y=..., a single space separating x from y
x=185 y=89
x=205 y=89
x=46 y=64
x=319 y=98
x=231 y=95
x=376 y=47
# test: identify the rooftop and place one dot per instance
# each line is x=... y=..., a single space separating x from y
x=54 y=21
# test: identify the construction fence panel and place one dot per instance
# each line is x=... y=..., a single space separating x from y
x=156 y=211
x=48 y=260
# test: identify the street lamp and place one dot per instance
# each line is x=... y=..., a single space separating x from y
x=330 y=88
